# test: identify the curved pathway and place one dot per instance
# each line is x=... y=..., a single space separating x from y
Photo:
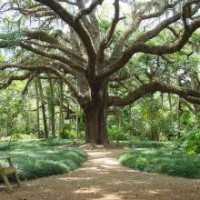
x=103 y=178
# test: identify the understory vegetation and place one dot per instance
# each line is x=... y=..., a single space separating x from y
x=39 y=158
x=161 y=157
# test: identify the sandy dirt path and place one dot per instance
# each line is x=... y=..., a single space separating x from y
x=103 y=178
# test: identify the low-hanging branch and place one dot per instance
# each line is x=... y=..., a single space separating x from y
x=12 y=78
x=32 y=71
x=152 y=87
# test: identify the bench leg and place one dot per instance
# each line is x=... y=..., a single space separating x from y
x=17 y=178
x=5 y=179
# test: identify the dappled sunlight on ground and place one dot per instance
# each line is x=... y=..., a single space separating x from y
x=108 y=197
x=75 y=179
x=91 y=190
x=103 y=178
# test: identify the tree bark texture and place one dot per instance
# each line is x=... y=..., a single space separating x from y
x=95 y=123
x=95 y=115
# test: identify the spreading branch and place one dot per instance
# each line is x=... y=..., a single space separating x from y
x=9 y=81
x=141 y=46
x=110 y=31
x=152 y=87
x=88 y=10
x=78 y=28
x=53 y=56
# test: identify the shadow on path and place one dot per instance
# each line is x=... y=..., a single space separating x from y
x=103 y=178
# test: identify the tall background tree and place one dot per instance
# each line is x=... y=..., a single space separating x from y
x=75 y=41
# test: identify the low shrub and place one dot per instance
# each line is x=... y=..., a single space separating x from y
x=67 y=132
x=39 y=158
x=116 y=133
x=167 y=160
x=19 y=136
x=150 y=144
x=191 y=142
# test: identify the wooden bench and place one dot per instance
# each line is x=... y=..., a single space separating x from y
x=10 y=169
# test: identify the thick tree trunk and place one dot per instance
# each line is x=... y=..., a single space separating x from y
x=95 y=123
x=95 y=115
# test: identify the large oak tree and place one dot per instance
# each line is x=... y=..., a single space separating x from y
x=87 y=47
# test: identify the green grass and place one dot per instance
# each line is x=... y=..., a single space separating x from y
x=39 y=158
x=149 y=144
x=165 y=158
